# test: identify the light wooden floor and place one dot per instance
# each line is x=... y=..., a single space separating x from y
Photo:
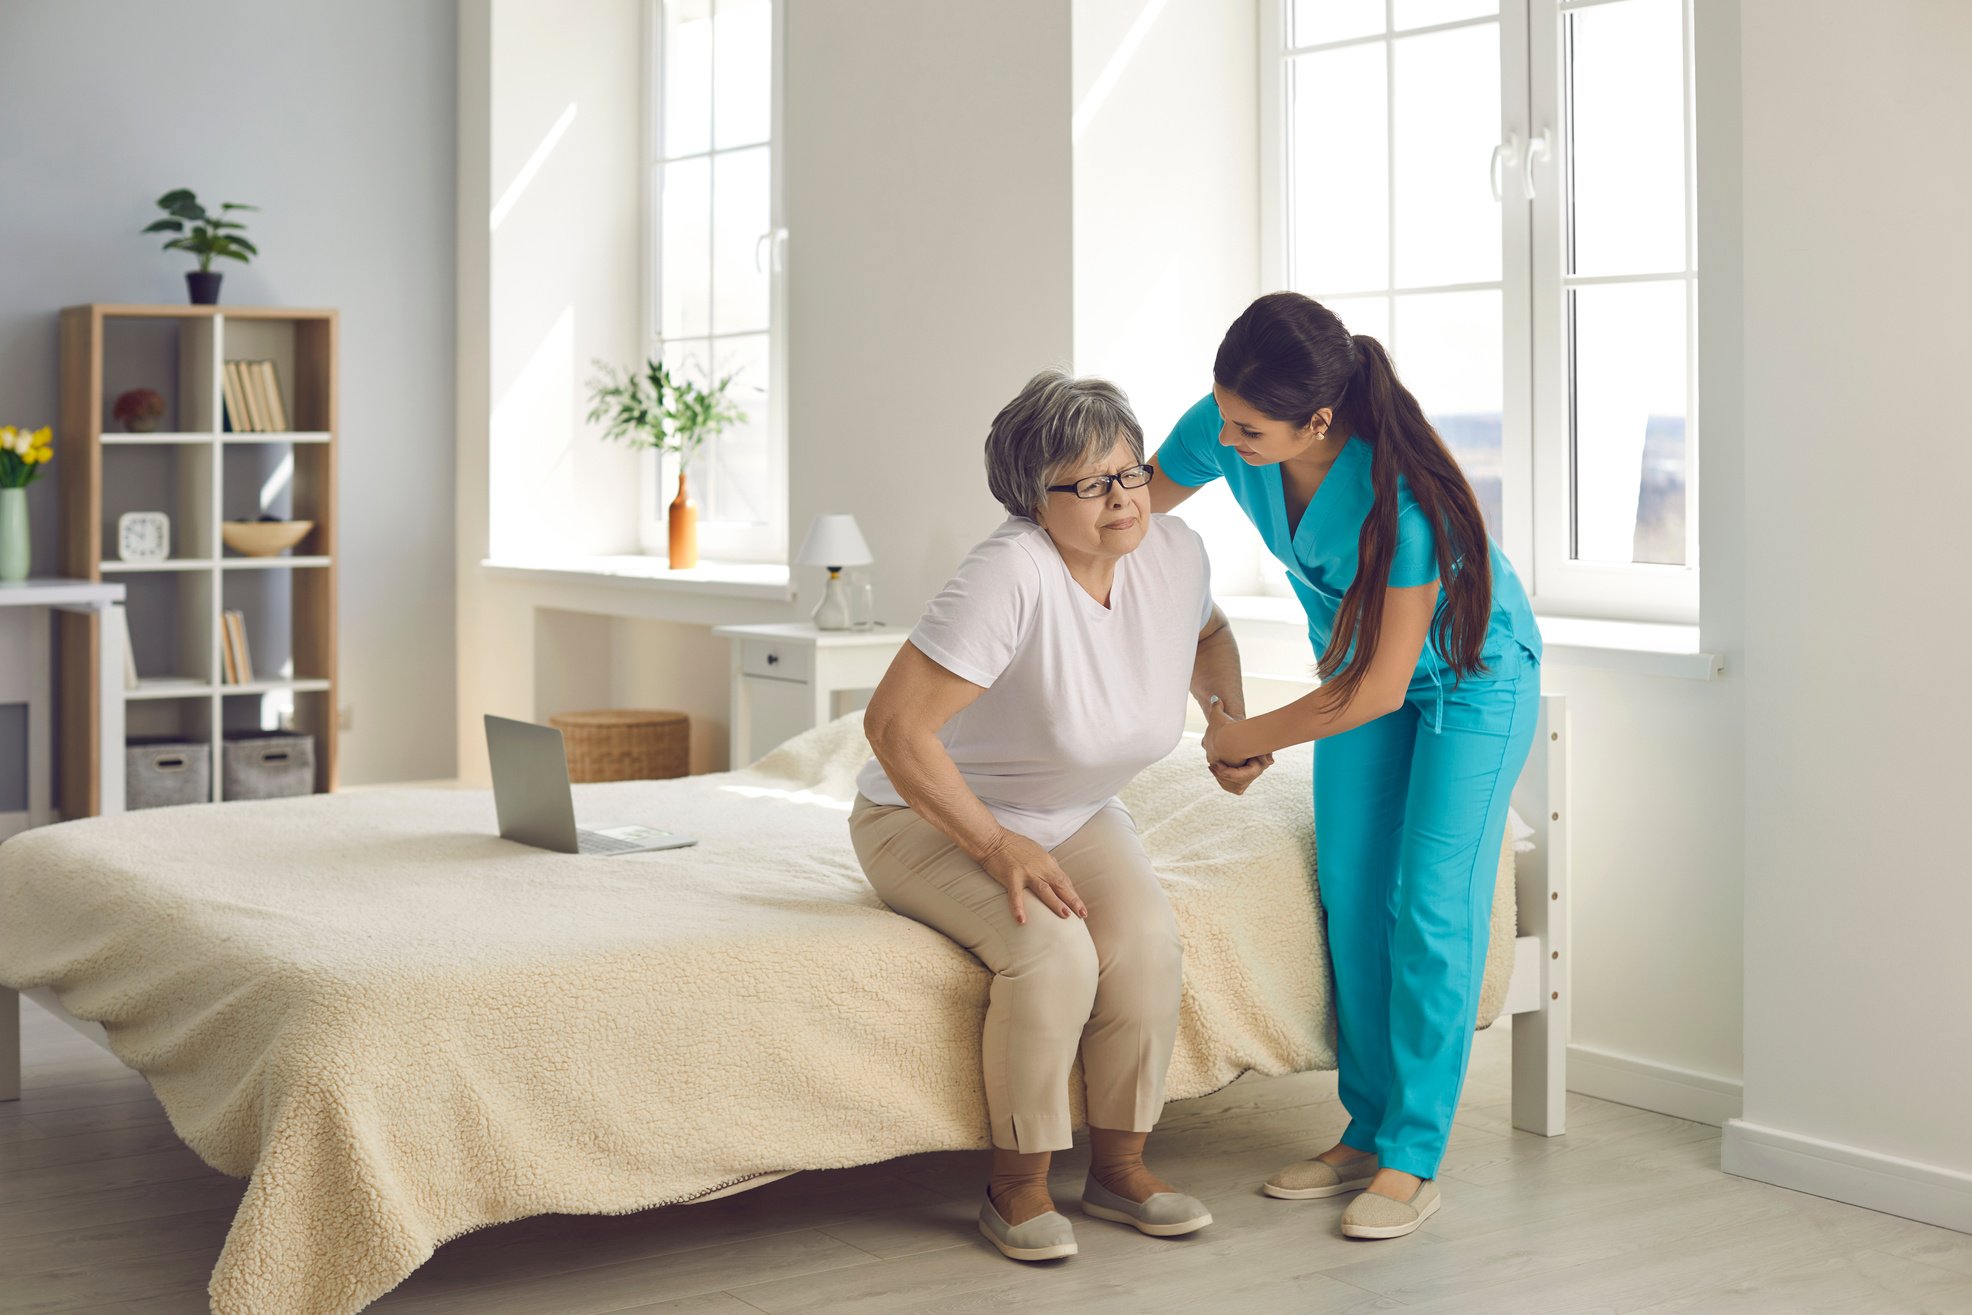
x=101 y=1209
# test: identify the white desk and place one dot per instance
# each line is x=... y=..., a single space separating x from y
x=26 y=678
x=787 y=678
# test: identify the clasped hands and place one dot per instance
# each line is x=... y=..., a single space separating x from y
x=1232 y=776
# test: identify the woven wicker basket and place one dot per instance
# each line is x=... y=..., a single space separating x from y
x=625 y=744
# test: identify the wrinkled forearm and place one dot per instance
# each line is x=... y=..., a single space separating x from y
x=927 y=779
x=1215 y=670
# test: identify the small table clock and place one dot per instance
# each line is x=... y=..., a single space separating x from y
x=143 y=536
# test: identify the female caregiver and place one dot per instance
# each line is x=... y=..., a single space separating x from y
x=1430 y=681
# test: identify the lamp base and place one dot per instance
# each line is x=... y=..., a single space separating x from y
x=832 y=613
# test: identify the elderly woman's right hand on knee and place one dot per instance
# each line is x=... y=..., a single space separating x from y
x=1021 y=865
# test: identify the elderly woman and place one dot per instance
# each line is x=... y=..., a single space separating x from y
x=1048 y=673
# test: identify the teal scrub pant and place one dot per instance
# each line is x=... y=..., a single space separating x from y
x=1409 y=811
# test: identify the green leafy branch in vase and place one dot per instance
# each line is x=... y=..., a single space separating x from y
x=657 y=409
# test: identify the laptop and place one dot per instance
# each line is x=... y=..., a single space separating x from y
x=535 y=805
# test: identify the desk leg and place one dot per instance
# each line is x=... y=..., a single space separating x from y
x=40 y=718
x=109 y=716
x=10 y=1044
x=739 y=735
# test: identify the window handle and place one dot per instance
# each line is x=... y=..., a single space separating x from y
x=1537 y=149
x=774 y=243
x=1505 y=155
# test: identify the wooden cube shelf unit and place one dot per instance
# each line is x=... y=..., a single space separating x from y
x=202 y=474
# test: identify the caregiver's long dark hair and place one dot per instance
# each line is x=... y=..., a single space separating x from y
x=1289 y=356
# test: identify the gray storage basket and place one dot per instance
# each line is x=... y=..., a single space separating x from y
x=274 y=766
x=157 y=773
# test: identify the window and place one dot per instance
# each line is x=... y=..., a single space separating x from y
x=716 y=303
x=1501 y=191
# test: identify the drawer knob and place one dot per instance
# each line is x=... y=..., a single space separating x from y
x=773 y=659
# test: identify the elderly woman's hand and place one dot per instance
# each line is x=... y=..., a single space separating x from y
x=1021 y=865
x=1233 y=777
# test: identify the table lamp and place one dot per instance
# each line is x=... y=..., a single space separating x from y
x=835 y=542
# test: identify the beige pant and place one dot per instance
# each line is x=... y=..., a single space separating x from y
x=1108 y=984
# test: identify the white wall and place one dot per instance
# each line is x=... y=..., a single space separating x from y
x=1167 y=215
x=930 y=263
x=1858 y=885
x=108 y=105
x=928 y=205
x=567 y=270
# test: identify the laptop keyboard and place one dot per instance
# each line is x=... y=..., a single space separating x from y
x=591 y=842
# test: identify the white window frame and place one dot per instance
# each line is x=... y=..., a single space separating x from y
x=1536 y=491
x=718 y=541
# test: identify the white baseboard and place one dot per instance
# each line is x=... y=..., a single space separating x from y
x=1923 y=1192
x=1681 y=1093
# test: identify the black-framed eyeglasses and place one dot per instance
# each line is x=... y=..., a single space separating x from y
x=1097 y=486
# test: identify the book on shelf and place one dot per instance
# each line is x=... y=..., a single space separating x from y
x=256 y=400
x=239 y=662
x=270 y=384
x=251 y=394
x=256 y=405
x=229 y=396
x=246 y=417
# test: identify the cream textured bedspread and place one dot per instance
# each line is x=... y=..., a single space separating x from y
x=401 y=1027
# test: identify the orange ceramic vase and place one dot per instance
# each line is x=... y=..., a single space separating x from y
x=683 y=522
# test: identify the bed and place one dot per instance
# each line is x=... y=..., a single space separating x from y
x=399 y=1027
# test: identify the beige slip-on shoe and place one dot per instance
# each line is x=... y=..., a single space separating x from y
x=1306 y=1179
x=1162 y=1214
x=1044 y=1237
x=1370 y=1215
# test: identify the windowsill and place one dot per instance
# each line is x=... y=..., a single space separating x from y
x=1637 y=647
x=762 y=580
x=1634 y=647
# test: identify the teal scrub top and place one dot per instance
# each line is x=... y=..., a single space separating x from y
x=1320 y=556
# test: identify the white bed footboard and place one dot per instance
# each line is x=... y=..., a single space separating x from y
x=1538 y=996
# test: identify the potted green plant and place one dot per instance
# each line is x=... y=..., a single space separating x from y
x=658 y=410
x=205 y=236
x=23 y=452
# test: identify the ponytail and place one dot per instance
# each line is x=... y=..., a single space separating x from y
x=1289 y=356
x=1387 y=416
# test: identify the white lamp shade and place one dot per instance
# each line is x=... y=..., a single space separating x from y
x=833 y=541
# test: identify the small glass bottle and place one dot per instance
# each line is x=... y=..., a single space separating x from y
x=862 y=600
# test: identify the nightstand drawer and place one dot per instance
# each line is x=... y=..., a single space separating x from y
x=776 y=660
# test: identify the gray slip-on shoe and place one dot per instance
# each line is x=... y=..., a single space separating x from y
x=1370 y=1215
x=1044 y=1237
x=1305 y=1180
x=1163 y=1214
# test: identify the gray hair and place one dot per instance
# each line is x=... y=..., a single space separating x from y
x=1055 y=424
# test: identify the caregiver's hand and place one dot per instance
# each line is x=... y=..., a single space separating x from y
x=1233 y=777
x=1021 y=865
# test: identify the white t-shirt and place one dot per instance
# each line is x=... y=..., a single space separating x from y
x=1079 y=697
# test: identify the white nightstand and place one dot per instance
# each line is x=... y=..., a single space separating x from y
x=786 y=678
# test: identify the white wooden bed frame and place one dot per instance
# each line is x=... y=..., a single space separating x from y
x=1537 y=996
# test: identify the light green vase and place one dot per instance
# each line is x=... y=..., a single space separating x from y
x=13 y=534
